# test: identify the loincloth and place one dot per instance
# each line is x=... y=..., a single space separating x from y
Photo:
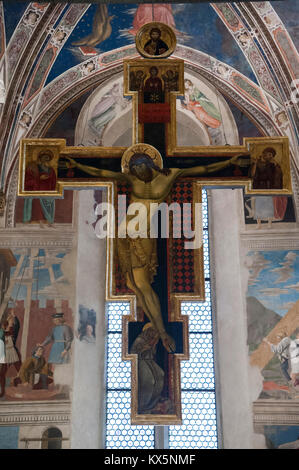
x=137 y=253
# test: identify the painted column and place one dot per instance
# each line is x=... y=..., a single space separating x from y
x=230 y=321
x=88 y=397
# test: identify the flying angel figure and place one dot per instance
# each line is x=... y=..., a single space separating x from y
x=101 y=28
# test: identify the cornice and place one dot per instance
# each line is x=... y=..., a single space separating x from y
x=27 y=237
x=275 y=412
x=271 y=239
x=35 y=413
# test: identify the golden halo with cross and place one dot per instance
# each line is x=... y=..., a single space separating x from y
x=149 y=150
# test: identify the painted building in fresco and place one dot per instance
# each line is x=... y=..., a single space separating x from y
x=61 y=76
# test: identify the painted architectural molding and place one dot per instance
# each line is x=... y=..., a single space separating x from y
x=276 y=43
x=245 y=39
x=35 y=413
x=278 y=412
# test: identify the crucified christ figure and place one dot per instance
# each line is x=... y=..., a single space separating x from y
x=138 y=256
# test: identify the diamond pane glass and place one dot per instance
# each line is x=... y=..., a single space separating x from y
x=199 y=428
x=198 y=372
x=200 y=316
x=206 y=254
x=120 y=434
x=204 y=202
x=115 y=311
x=119 y=372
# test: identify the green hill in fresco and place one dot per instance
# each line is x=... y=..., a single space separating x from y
x=260 y=321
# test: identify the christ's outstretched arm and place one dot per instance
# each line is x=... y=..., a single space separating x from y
x=212 y=168
x=93 y=171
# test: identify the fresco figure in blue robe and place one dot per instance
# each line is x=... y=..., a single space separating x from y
x=61 y=337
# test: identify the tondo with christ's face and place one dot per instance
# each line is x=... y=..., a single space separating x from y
x=155 y=34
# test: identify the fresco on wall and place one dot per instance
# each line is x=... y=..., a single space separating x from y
x=107 y=27
x=282 y=437
x=9 y=437
x=273 y=321
x=36 y=332
x=204 y=109
x=100 y=112
x=100 y=31
x=43 y=216
x=287 y=12
x=267 y=211
x=87 y=324
x=210 y=120
x=108 y=107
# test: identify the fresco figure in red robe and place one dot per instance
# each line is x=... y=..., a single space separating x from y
x=148 y=12
x=40 y=176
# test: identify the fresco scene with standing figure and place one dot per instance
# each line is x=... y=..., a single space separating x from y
x=272 y=321
x=36 y=328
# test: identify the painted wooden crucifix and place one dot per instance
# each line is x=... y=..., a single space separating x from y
x=151 y=176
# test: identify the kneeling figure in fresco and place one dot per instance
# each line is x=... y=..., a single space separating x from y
x=35 y=371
